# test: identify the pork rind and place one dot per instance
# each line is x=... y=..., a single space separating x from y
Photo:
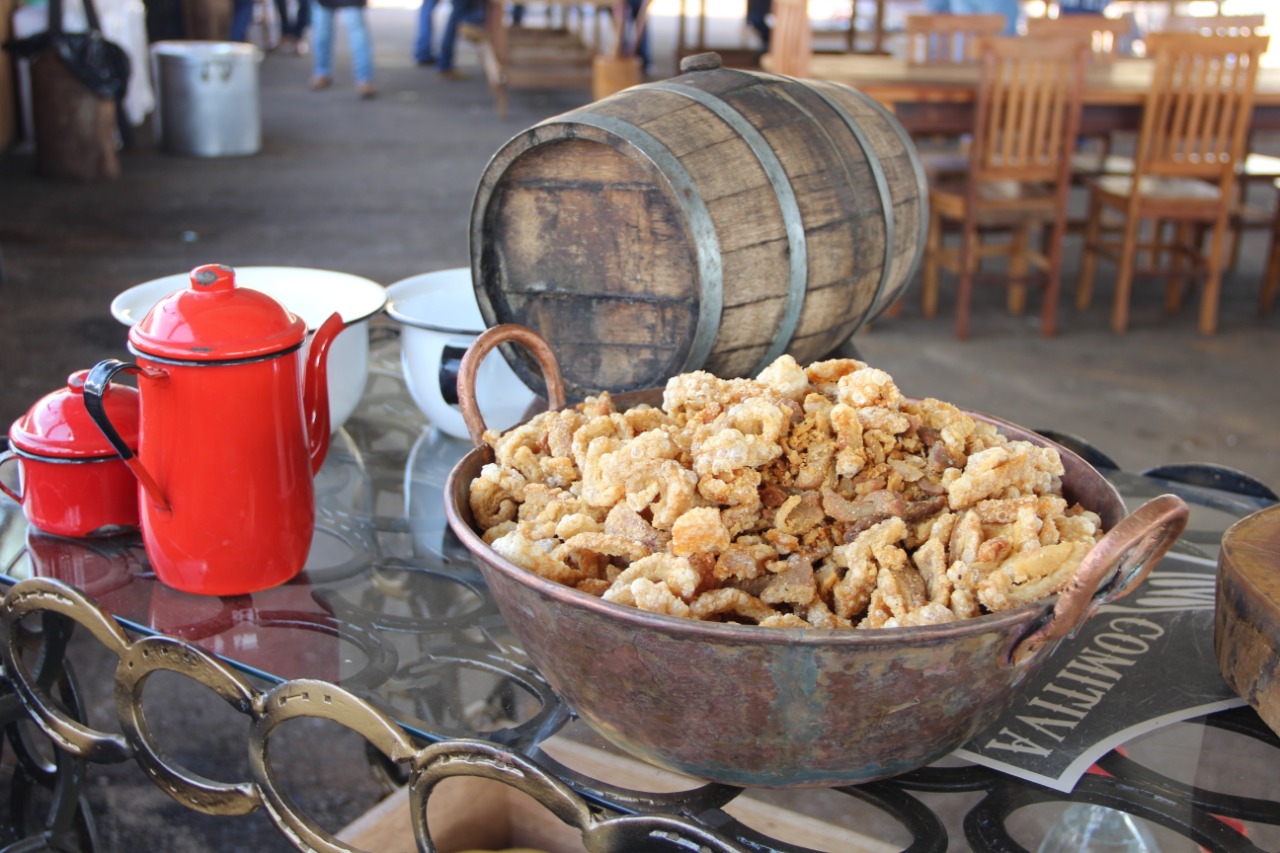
x=809 y=497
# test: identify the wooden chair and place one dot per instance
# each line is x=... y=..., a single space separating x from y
x=1028 y=112
x=1271 y=278
x=945 y=39
x=948 y=39
x=1192 y=138
x=558 y=55
x=1106 y=39
x=1255 y=168
x=791 y=43
x=1216 y=25
x=1104 y=36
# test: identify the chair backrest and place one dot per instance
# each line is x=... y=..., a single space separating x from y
x=791 y=43
x=948 y=39
x=1216 y=25
x=1196 y=117
x=1105 y=36
x=1028 y=114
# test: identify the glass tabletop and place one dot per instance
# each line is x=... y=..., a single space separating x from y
x=392 y=607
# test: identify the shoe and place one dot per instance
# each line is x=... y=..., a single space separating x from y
x=426 y=63
x=471 y=33
x=366 y=91
x=287 y=44
x=320 y=81
x=453 y=74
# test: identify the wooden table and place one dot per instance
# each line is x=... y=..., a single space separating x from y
x=939 y=99
x=557 y=55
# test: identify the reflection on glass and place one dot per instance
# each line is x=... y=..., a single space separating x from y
x=1087 y=828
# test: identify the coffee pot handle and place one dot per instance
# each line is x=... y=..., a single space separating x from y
x=315 y=389
x=95 y=387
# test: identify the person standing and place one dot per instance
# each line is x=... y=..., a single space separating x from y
x=292 y=28
x=351 y=12
x=241 y=19
x=467 y=17
x=758 y=17
x=1082 y=7
x=423 y=53
x=637 y=36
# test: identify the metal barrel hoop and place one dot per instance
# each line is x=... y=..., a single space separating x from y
x=487 y=760
x=43 y=595
x=155 y=654
x=312 y=698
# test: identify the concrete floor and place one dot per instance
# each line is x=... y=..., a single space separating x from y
x=383 y=189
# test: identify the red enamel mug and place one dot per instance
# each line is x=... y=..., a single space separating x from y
x=233 y=427
x=71 y=482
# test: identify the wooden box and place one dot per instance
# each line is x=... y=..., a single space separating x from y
x=468 y=813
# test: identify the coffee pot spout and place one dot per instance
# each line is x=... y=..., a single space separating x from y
x=315 y=390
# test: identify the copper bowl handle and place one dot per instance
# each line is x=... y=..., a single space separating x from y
x=470 y=366
x=1115 y=567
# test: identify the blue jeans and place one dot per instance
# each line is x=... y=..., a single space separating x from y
x=757 y=17
x=241 y=19
x=357 y=39
x=301 y=18
x=422 y=45
x=1082 y=7
x=642 y=49
x=470 y=11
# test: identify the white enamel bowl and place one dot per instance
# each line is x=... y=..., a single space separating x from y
x=311 y=294
x=439 y=319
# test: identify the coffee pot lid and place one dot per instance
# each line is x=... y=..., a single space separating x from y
x=214 y=320
x=58 y=425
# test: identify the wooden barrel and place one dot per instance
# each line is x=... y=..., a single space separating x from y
x=712 y=221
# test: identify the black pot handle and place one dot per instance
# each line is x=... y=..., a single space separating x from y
x=96 y=385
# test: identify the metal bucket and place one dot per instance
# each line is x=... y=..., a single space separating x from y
x=791 y=707
x=207 y=102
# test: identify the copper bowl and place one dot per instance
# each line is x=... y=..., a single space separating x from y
x=789 y=707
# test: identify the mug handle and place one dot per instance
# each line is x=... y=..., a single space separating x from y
x=481 y=347
x=5 y=456
x=450 y=366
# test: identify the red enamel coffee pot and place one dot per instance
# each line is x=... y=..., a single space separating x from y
x=229 y=437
